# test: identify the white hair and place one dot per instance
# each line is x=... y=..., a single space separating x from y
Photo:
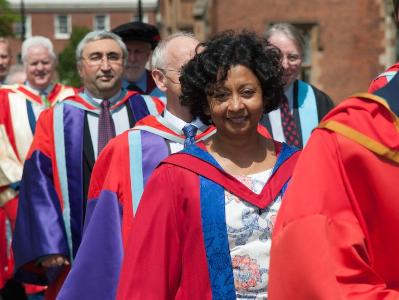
x=158 y=55
x=37 y=41
x=289 y=31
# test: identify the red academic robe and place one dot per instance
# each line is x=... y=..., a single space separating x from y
x=383 y=78
x=51 y=209
x=112 y=202
x=17 y=125
x=335 y=235
x=178 y=243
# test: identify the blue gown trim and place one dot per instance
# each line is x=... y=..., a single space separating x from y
x=307 y=108
x=213 y=217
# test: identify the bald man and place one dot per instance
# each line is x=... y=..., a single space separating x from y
x=119 y=176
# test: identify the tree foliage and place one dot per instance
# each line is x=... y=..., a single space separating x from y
x=66 y=68
x=7 y=18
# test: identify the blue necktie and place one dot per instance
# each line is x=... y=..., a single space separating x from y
x=189 y=131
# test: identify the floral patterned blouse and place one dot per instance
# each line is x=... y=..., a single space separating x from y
x=249 y=231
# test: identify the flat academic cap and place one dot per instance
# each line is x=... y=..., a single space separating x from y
x=138 y=31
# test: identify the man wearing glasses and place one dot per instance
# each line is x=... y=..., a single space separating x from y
x=67 y=141
x=336 y=232
x=140 y=39
x=121 y=172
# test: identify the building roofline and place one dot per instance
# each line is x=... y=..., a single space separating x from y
x=82 y=5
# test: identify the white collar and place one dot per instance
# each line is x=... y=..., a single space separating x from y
x=46 y=91
x=179 y=123
x=113 y=99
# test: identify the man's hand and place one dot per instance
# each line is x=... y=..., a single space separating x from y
x=54 y=260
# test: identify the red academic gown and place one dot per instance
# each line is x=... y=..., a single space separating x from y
x=112 y=203
x=178 y=244
x=18 y=124
x=383 y=78
x=52 y=191
x=336 y=232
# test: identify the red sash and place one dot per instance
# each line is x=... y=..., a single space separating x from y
x=270 y=191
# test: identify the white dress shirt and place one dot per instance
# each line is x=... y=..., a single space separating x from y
x=119 y=115
x=36 y=107
x=275 y=115
x=179 y=124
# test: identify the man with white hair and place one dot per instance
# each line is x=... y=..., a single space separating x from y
x=121 y=172
x=39 y=60
x=20 y=107
x=67 y=141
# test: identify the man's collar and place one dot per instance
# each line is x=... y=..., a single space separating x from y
x=113 y=99
x=179 y=123
x=141 y=83
x=289 y=89
x=46 y=91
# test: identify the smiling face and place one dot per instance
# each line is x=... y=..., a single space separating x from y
x=236 y=106
x=291 y=56
x=40 y=67
x=101 y=68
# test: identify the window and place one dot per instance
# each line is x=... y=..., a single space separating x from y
x=101 y=22
x=310 y=36
x=62 y=25
x=145 y=18
x=28 y=27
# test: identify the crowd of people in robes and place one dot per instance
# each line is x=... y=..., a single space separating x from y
x=187 y=180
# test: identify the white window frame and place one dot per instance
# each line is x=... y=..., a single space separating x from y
x=106 y=22
x=62 y=35
x=28 y=27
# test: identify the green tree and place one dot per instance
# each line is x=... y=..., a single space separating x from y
x=66 y=68
x=7 y=18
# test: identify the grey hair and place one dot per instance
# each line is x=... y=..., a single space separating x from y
x=289 y=31
x=158 y=55
x=97 y=36
x=37 y=41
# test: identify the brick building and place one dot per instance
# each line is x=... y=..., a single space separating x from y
x=348 y=42
x=55 y=19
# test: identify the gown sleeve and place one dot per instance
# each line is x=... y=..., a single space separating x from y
x=153 y=258
x=101 y=249
x=39 y=227
x=320 y=247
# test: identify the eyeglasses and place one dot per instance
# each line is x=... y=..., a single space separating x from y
x=178 y=73
x=96 y=59
x=292 y=58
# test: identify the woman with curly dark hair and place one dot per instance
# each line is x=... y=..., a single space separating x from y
x=203 y=228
